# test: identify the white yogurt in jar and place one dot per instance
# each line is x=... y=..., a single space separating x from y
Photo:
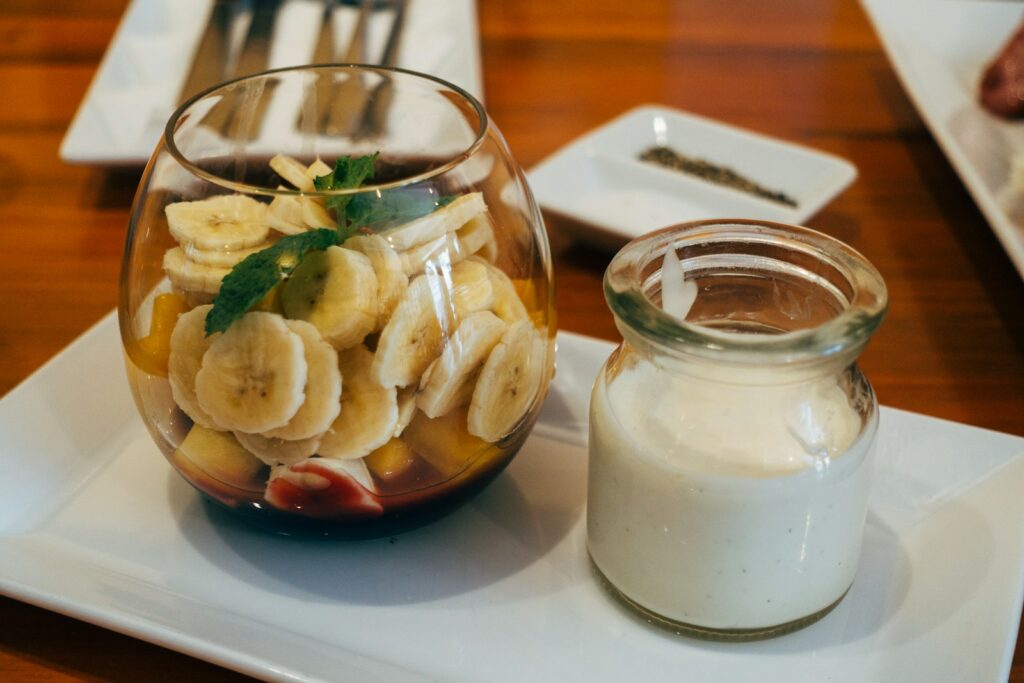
x=726 y=506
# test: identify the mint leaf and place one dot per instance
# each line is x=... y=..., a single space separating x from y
x=251 y=279
x=348 y=174
x=393 y=207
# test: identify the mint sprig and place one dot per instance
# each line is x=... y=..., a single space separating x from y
x=348 y=174
x=251 y=279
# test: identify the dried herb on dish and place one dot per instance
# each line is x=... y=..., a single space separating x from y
x=721 y=175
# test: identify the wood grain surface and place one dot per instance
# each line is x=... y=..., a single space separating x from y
x=809 y=71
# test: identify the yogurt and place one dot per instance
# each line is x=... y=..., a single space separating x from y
x=722 y=506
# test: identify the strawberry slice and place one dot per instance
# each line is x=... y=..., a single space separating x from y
x=324 y=488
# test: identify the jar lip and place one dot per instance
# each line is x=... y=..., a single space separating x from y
x=248 y=188
x=637 y=316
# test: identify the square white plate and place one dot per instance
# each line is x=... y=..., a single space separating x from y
x=599 y=181
x=939 y=49
x=135 y=89
x=95 y=524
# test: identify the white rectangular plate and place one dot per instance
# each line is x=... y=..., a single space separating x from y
x=95 y=524
x=136 y=87
x=599 y=181
x=939 y=49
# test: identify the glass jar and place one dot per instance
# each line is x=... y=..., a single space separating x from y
x=731 y=440
x=336 y=299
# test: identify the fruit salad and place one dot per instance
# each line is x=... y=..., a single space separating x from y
x=334 y=359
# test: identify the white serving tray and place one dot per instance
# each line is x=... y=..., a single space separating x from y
x=135 y=89
x=613 y=196
x=939 y=49
x=95 y=524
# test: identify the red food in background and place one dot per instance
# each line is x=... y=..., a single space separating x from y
x=1002 y=85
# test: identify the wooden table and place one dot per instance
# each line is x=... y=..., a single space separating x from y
x=810 y=71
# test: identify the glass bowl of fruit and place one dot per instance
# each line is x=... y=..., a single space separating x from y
x=336 y=299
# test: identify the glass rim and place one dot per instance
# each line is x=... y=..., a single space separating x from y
x=848 y=330
x=174 y=121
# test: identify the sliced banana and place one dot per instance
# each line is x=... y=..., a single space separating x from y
x=315 y=215
x=507 y=304
x=444 y=249
x=412 y=338
x=188 y=345
x=508 y=382
x=471 y=287
x=220 y=259
x=285 y=214
x=431 y=308
x=335 y=290
x=253 y=375
x=369 y=411
x=477 y=236
x=445 y=382
x=293 y=171
x=391 y=280
x=190 y=276
x=406 y=407
x=448 y=218
x=322 y=390
x=318 y=168
x=222 y=223
x=278 y=451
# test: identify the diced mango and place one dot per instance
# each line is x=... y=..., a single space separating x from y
x=444 y=442
x=151 y=353
x=217 y=463
x=391 y=460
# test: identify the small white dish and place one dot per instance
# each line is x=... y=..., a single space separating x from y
x=939 y=49
x=96 y=525
x=599 y=180
x=135 y=89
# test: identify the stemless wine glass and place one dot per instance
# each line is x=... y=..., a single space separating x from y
x=336 y=299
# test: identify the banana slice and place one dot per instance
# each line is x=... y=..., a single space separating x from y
x=317 y=169
x=188 y=345
x=293 y=171
x=471 y=287
x=285 y=214
x=391 y=280
x=507 y=304
x=190 y=276
x=446 y=249
x=444 y=383
x=477 y=236
x=336 y=290
x=412 y=338
x=369 y=411
x=315 y=215
x=322 y=391
x=220 y=259
x=508 y=383
x=253 y=375
x=222 y=223
x=278 y=451
x=432 y=306
x=406 y=407
x=448 y=218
